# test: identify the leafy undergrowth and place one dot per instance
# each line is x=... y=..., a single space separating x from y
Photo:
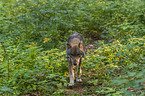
x=55 y=20
x=114 y=69
x=33 y=34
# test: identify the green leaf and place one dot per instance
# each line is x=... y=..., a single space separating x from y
x=59 y=85
x=6 y=89
x=140 y=74
x=142 y=94
x=95 y=82
x=131 y=73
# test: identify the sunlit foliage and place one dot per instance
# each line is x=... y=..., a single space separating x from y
x=32 y=46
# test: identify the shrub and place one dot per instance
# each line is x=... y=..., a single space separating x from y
x=118 y=66
x=55 y=20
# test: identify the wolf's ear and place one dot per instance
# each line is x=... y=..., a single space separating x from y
x=68 y=45
x=81 y=44
x=82 y=53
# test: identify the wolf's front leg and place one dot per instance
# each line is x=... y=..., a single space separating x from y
x=79 y=71
x=71 y=73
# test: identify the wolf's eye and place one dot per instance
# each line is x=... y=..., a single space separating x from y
x=68 y=46
x=78 y=54
x=70 y=55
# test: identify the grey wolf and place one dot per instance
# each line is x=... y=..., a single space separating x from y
x=75 y=51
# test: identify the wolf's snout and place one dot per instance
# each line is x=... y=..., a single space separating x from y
x=75 y=63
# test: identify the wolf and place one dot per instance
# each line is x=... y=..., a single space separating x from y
x=75 y=51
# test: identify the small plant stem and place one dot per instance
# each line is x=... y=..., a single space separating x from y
x=5 y=57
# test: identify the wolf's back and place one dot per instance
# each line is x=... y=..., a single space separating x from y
x=75 y=38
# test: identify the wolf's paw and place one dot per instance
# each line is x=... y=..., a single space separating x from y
x=70 y=85
x=79 y=80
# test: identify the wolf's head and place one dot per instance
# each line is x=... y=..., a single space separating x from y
x=74 y=53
